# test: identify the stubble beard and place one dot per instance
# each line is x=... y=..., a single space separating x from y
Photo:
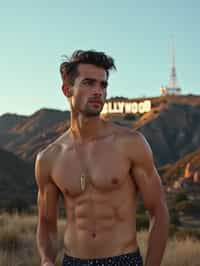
x=89 y=112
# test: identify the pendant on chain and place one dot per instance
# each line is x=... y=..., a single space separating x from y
x=83 y=182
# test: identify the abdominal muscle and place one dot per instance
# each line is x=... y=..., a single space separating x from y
x=99 y=228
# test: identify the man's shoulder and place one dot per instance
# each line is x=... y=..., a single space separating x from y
x=53 y=149
x=126 y=133
x=48 y=152
x=131 y=141
x=44 y=162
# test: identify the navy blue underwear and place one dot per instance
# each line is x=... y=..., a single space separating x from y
x=129 y=259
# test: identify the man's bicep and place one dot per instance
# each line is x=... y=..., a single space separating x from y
x=149 y=186
x=145 y=174
x=48 y=193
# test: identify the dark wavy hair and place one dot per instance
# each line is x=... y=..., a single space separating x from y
x=69 y=68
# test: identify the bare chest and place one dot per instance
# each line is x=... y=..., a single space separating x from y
x=103 y=166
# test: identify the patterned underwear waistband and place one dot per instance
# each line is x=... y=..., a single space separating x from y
x=129 y=259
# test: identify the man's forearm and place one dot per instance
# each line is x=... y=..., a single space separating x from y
x=47 y=244
x=158 y=237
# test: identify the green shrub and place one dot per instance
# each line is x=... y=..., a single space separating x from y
x=140 y=207
x=181 y=197
x=189 y=207
x=142 y=222
x=130 y=117
x=174 y=218
x=172 y=230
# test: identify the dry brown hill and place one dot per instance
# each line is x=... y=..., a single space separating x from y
x=34 y=133
x=172 y=131
x=175 y=171
x=171 y=128
x=8 y=121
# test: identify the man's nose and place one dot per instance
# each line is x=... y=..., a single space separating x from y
x=98 y=90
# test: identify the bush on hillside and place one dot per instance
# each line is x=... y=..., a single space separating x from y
x=142 y=222
x=174 y=218
x=189 y=207
x=181 y=197
x=140 y=207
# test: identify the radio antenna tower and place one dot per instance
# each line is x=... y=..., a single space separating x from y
x=172 y=78
x=172 y=88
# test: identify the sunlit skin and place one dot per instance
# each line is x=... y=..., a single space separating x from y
x=118 y=163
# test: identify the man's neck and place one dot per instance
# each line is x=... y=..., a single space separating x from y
x=86 y=128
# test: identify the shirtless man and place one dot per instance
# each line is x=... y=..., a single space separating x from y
x=99 y=168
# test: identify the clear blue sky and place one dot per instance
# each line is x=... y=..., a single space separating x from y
x=35 y=34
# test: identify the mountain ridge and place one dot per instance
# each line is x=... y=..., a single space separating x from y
x=171 y=128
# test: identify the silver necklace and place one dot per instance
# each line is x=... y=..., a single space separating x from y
x=84 y=178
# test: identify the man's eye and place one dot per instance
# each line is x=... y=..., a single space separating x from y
x=89 y=82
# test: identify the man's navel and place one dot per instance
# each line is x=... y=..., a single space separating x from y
x=115 y=181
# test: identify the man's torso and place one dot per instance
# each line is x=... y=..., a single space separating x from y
x=101 y=220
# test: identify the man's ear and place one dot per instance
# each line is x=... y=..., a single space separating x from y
x=67 y=90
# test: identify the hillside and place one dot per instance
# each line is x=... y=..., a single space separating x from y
x=16 y=179
x=171 y=128
x=193 y=100
x=27 y=137
x=177 y=170
x=172 y=132
x=8 y=121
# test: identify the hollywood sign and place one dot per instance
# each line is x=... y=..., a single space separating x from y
x=127 y=107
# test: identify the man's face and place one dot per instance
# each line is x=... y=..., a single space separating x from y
x=89 y=90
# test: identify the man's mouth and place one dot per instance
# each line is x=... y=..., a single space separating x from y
x=95 y=102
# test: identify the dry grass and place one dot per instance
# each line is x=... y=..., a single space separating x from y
x=18 y=247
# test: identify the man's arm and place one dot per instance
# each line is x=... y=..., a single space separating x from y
x=149 y=185
x=48 y=196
